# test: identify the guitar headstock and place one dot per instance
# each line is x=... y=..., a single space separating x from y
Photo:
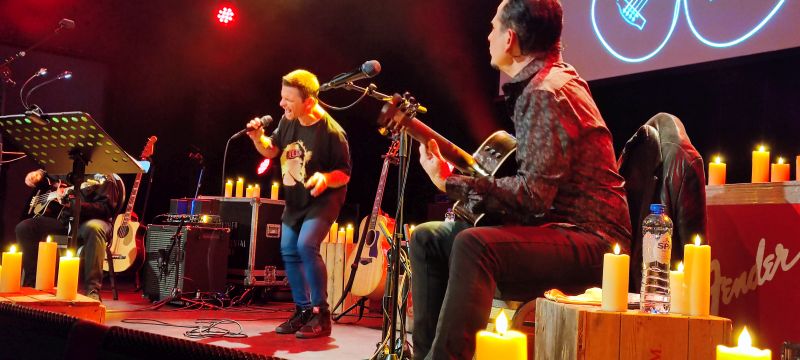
x=398 y=112
x=147 y=152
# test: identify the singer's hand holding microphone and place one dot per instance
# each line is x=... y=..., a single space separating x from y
x=254 y=128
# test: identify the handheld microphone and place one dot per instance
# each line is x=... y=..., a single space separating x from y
x=265 y=121
x=367 y=70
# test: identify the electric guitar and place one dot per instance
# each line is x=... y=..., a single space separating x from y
x=485 y=161
x=127 y=245
x=370 y=278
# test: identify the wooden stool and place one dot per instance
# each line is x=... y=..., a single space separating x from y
x=565 y=331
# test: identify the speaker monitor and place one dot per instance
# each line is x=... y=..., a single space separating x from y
x=185 y=258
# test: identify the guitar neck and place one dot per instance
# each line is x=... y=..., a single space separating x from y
x=132 y=199
x=373 y=218
x=459 y=158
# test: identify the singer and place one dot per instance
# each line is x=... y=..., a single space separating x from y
x=562 y=210
x=315 y=165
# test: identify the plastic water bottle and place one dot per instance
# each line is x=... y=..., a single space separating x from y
x=656 y=251
x=449 y=216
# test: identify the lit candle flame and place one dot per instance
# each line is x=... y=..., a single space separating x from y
x=69 y=253
x=697 y=240
x=745 y=341
x=205 y=219
x=616 y=249
x=501 y=324
x=780 y=160
x=275 y=184
x=718 y=160
x=349 y=226
x=680 y=266
x=49 y=238
x=411 y=228
x=230 y=181
x=12 y=249
x=762 y=148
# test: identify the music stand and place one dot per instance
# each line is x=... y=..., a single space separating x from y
x=71 y=143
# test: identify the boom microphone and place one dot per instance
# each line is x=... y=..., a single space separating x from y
x=367 y=70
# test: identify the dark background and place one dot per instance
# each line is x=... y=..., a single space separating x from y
x=169 y=69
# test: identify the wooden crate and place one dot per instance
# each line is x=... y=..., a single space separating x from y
x=82 y=307
x=566 y=331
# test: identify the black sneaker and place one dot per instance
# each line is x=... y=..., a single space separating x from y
x=318 y=326
x=298 y=319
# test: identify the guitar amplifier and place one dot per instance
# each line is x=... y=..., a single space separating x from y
x=255 y=248
x=185 y=258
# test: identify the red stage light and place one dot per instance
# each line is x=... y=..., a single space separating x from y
x=225 y=15
x=263 y=167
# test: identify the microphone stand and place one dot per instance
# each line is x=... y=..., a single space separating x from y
x=391 y=350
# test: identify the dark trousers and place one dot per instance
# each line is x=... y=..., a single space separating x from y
x=92 y=234
x=456 y=269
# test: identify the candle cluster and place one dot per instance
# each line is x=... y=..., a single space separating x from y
x=762 y=171
x=68 y=267
x=251 y=191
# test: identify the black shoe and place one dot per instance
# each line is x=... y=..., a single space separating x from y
x=94 y=295
x=298 y=319
x=318 y=326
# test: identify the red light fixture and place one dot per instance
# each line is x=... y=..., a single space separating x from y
x=226 y=15
x=263 y=167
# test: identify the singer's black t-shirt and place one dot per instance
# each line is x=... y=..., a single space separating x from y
x=321 y=147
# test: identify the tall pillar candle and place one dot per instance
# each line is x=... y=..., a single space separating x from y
x=348 y=236
x=615 y=281
x=68 y=267
x=248 y=192
x=678 y=302
x=760 y=171
x=334 y=233
x=797 y=168
x=239 y=187
x=12 y=270
x=779 y=171
x=46 y=265
x=716 y=172
x=257 y=191
x=229 y=188
x=342 y=235
x=700 y=279
x=274 y=191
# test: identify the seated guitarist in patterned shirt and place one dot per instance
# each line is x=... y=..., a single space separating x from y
x=98 y=204
x=562 y=210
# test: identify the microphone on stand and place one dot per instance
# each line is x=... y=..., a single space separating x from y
x=66 y=24
x=265 y=121
x=367 y=70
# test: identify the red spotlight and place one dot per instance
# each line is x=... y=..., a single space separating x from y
x=263 y=167
x=225 y=14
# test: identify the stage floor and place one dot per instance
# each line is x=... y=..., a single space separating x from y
x=349 y=339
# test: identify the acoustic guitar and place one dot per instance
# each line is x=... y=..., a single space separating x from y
x=127 y=245
x=370 y=276
x=50 y=203
x=485 y=161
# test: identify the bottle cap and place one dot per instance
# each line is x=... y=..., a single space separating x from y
x=657 y=208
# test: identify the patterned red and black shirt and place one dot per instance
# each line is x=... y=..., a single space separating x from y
x=566 y=169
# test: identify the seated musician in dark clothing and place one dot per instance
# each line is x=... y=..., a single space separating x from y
x=101 y=195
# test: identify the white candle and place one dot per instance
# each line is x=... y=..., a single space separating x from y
x=615 y=281
x=744 y=350
x=678 y=301
x=68 y=267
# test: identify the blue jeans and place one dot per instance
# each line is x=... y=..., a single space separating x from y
x=304 y=266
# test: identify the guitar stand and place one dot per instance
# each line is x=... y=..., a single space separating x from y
x=360 y=304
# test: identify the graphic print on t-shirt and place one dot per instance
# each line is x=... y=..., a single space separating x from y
x=293 y=163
